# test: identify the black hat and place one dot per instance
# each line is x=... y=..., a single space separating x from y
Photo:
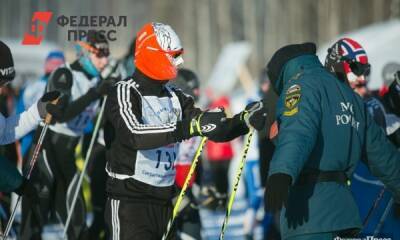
x=283 y=55
x=7 y=71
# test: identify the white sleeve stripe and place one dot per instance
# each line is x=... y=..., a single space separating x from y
x=121 y=108
x=130 y=119
x=138 y=126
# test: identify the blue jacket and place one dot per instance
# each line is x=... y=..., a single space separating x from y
x=324 y=125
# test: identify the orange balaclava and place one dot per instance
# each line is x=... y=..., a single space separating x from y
x=158 y=51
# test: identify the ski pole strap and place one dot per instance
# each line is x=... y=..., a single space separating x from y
x=316 y=176
x=195 y=126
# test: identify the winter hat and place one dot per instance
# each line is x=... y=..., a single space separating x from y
x=7 y=71
x=53 y=60
x=283 y=55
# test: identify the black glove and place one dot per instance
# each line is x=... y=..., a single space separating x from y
x=397 y=78
x=45 y=101
x=396 y=210
x=277 y=191
x=392 y=97
x=207 y=123
x=255 y=115
x=105 y=86
x=26 y=189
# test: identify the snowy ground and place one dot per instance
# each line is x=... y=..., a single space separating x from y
x=212 y=222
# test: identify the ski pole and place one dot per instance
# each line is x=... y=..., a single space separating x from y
x=383 y=217
x=185 y=185
x=373 y=207
x=35 y=155
x=236 y=183
x=78 y=186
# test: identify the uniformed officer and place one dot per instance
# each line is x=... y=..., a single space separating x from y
x=324 y=130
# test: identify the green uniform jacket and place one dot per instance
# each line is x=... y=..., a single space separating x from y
x=324 y=125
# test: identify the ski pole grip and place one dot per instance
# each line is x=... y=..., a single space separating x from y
x=48 y=118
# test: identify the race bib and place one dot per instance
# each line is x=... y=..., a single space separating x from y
x=156 y=166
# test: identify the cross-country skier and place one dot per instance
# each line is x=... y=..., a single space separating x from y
x=97 y=163
x=16 y=126
x=33 y=91
x=145 y=121
x=324 y=130
x=348 y=60
x=56 y=174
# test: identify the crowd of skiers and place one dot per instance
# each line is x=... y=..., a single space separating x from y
x=324 y=158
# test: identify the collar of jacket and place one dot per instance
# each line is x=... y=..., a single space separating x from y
x=295 y=66
x=147 y=85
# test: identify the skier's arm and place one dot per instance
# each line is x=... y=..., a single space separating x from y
x=298 y=126
x=234 y=127
x=124 y=113
x=382 y=158
x=231 y=129
x=70 y=109
x=17 y=126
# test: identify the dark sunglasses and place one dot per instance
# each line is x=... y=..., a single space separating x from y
x=102 y=53
x=360 y=85
x=358 y=68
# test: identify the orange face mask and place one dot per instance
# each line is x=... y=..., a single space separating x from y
x=158 y=51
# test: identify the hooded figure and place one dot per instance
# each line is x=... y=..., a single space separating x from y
x=323 y=131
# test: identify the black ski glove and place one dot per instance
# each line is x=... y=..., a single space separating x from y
x=206 y=124
x=277 y=191
x=45 y=101
x=255 y=115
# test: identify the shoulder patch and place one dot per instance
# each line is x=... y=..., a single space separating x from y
x=292 y=98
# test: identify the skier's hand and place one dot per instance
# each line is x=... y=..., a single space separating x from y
x=255 y=115
x=105 y=86
x=45 y=101
x=277 y=191
x=207 y=123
